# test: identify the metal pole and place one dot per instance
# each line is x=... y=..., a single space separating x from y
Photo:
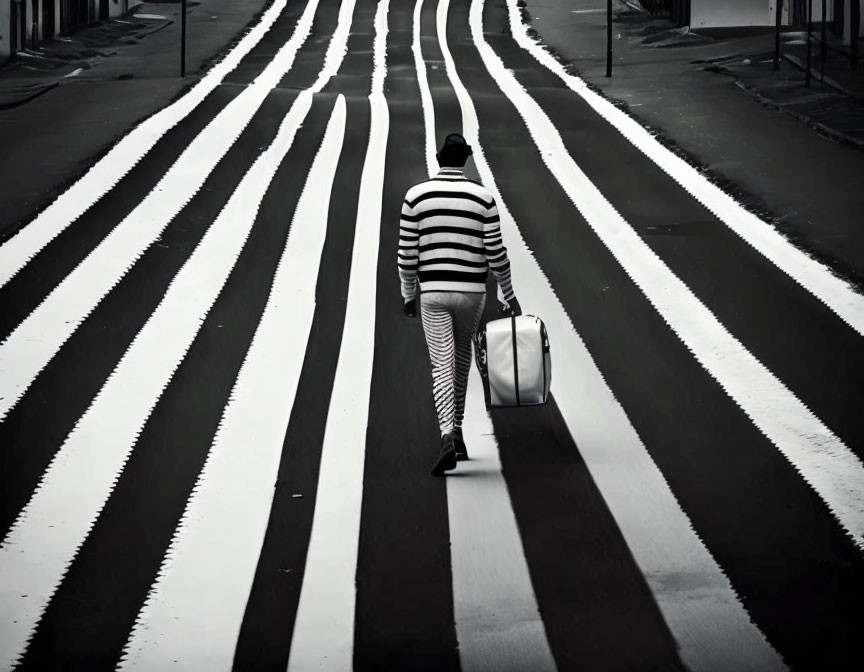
x=608 y=38
x=854 y=23
x=824 y=49
x=13 y=21
x=778 y=15
x=809 y=40
x=183 y=39
x=34 y=24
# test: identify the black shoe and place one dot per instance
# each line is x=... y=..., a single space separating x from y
x=446 y=458
x=461 y=450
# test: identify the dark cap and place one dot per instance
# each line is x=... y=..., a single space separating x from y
x=455 y=150
x=457 y=141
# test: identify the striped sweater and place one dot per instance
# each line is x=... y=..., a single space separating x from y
x=450 y=237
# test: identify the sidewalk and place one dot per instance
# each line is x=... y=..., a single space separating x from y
x=34 y=72
x=64 y=105
x=833 y=104
x=794 y=155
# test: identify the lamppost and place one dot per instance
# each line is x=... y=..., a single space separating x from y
x=824 y=49
x=809 y=41
x=183 y=38
x=854 y=23
x=34 y=24
x=608 y=38
x=778 y=14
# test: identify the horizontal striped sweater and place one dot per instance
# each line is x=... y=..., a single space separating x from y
x=450 y=237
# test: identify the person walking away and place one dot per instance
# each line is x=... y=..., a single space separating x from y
x=449 y=238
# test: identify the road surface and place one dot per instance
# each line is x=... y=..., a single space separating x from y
x=217 y=424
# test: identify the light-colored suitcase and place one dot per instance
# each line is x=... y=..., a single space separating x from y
x=514 y=361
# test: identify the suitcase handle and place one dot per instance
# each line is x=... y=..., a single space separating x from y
x=515 y=360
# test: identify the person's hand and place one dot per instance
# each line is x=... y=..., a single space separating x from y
x=410 y=307
x=514 y=309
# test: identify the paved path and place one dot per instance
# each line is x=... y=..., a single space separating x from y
x=216 y=423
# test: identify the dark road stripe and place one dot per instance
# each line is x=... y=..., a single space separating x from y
x=404 y=612
x=720 y=468
x=817 y=355
x=265 y=637
x=448 y=114
x=597 y=608
x=262 y=53
x=74 y=376
x=90 y=616
x=310 y=57
x=354 y=77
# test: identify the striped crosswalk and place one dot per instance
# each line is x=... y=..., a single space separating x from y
x=216 y=423
x=226 y=515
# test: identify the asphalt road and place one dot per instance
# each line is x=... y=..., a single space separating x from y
x=216 y=423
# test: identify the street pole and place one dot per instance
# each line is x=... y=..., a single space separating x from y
x=854 y=22
x=608 y=38
x=183 y=39
x=13 y=21
x=34 y=25
x=778 y=15
x=809 y=40
x=824 y=41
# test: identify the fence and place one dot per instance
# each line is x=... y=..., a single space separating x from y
x=678 y=11
x=75 y=13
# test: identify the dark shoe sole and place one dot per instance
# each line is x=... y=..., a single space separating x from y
x=446 y=461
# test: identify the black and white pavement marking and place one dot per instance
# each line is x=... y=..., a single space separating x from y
x=370 y=537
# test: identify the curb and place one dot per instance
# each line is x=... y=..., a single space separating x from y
x=28 y=97
x=822 y=129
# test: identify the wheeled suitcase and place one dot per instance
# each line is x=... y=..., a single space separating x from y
x=514 y=361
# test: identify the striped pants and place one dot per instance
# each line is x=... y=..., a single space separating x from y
x=449 y=321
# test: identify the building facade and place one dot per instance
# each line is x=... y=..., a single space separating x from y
x=25 y=24
x=740 y=13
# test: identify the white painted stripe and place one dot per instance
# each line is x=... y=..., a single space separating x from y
x=37 y=339
x=52 y=526
x=498 y=624
x=695 y=597
x=323 y=637
x=822 y=459
x=194 y=611
x=107 y=172
x=819 y=280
